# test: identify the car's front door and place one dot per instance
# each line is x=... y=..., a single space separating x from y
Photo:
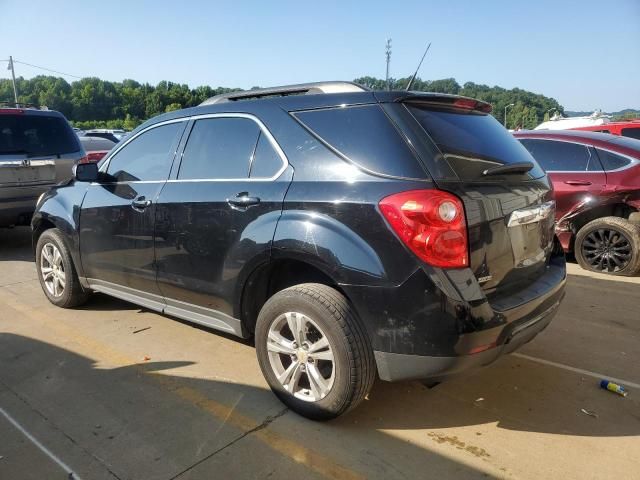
x=118 y=214
x=574 y=169
x=217 y=212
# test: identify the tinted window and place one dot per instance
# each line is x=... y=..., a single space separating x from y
x=96 y=143
x=219 y=148
x=365 y=136
x=147 y=157
x=611 y=161
x=266 y=161
x=558 y=156
x=36 y=135
x=472 y=142
x=631 y=132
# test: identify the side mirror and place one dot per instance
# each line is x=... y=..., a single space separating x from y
x=86 y=172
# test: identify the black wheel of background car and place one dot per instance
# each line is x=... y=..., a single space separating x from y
x=314 y=352
x=609 y=245
x=56 y=272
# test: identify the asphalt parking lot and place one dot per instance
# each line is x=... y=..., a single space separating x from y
x=110 y=391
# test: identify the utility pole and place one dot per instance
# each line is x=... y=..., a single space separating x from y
x=388 y=54
x=505 y=113
x=13 y=77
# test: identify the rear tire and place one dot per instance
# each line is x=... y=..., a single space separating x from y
x=609 y=245
x=56 y=272
x=345 y=362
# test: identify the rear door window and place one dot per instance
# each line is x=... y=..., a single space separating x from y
x=266 y=162
x=631 y=132
x=219 y=148
x=472 y=142
x=147 y=157
x=36 y=135
x=557 y=156
x=612 y=161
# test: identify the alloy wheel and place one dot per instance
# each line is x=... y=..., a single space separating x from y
x=607 y=250
x=301 y=356
x=52 y=270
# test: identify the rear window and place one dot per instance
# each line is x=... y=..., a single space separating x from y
x=365 y=136
x=36 y=135
x=631 y=132
x=472 y=142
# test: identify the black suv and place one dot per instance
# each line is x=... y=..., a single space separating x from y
x=37 y=150
x=353 y=233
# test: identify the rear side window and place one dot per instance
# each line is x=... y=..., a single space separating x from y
x=147 y=157
x=266 y=162
x=364 y=136
x=219 y=148
x=36 y=135
x=612 y=161
x=472 y=142
x=631 y=133
x=558 y=156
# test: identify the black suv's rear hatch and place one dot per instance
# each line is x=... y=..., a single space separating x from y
x=507 y=197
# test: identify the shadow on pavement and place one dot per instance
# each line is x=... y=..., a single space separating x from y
x=144 y=424
x=15 y=244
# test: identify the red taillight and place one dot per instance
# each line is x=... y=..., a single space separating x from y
x=471 y=104
x=84 y=159
x=431 y=223
x=11 y=111
x=95 y=156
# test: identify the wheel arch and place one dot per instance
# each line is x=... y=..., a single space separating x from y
x=271 y=277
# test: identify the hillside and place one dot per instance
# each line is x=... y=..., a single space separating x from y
x=92 y=102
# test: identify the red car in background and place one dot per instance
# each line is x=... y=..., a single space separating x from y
x=96 y=147
x=629 y=128
x=596 y=178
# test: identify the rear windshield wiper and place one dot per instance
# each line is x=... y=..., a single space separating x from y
x=522 y=167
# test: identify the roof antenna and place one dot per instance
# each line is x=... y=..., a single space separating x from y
x=419 y=65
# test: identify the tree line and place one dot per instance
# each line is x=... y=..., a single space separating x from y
x=95 y=103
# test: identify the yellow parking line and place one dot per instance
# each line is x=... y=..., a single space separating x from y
x=288 y=448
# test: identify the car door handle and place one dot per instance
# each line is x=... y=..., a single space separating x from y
x=578 y=182
x=243 y=200
x=140 y=203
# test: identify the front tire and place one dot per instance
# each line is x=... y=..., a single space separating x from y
x=56 y=272
x=609 y=245
x=313 y=351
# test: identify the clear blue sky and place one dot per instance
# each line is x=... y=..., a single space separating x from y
x=586 y=54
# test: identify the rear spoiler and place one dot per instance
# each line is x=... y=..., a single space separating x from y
x=445 y=101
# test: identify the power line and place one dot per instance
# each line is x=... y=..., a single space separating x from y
x=47 y=69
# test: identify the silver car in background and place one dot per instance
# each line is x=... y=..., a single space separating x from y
x=38 y=149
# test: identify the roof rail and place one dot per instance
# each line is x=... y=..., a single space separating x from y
x=300 y=89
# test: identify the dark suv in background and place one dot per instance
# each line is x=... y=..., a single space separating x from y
x=38 y=148
x=352 y=232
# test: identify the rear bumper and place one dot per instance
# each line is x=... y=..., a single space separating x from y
x=394 y=367
x=440 y=322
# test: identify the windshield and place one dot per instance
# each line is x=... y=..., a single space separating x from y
x=472 y=142
x=36 y=135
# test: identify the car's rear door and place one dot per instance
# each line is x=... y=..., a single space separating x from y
x=218 y=214
x=118 y=213
x=574 y=169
